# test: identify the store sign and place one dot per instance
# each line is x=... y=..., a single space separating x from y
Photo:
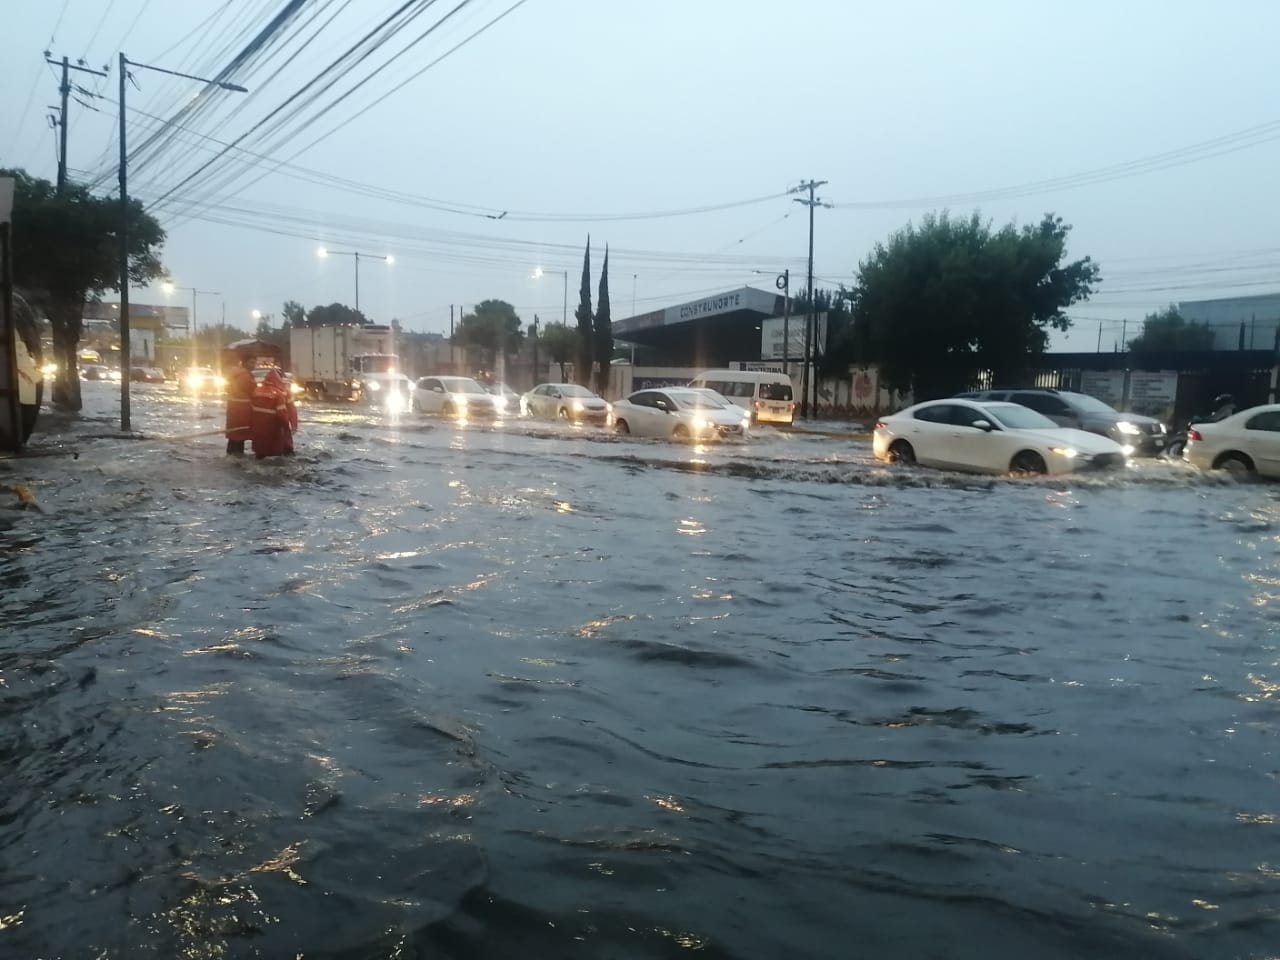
x=1152 y=391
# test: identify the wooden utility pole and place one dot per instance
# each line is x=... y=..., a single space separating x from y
x=64 y=89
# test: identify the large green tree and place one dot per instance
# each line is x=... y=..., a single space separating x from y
x=1167 y=329
x=952 y=297
x=332 y=314
x=561 y=344
x=602 y=329
x=65 y=252
x=493 y=328
x=294 y=314
x=584 y=354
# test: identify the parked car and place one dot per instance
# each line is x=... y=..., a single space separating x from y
x=146 y=375
x=766 y=394
x=1245 y=443
x=680 y=413
x=508 y=400
x=1145 y=435
x=995 y=437
x=567 y=401
x=459 y=397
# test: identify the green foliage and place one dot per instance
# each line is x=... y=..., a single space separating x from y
x=493 y=328
x=65 y=253
x=602 y=332
x=294 y=314
x=1167 y=330
x=584 y=353
x=951 y=297
x=334 y=314
x=560 y=342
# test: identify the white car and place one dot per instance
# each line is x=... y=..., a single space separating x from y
x=567 y=401
x=990 y=438
x=507 y=399
x=459 y=397
x=680 y=413
x=1245 y=442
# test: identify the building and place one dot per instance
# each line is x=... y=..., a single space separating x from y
x=714 y=331
x=148 y=324
x=1239 y=323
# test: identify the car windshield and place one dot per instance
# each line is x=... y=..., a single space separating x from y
x=775 y=391
x=385 y=363
x=697 y=401
x=464 y=386
x=1090 y=404
x=573 y=390
x=1018 y=418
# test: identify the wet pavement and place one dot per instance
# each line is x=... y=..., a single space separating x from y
x=432 y=690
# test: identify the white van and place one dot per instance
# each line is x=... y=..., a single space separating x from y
x=766 y=393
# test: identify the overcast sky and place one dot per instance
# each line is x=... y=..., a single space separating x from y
x=605 y=107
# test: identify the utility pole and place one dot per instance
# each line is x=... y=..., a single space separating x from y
x=534 y=341
x=1099 y=336
x=783 y=283
x=809 y=331
x=64 y=88
x=122 y=266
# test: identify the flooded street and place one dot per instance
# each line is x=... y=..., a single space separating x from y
x=433 y=690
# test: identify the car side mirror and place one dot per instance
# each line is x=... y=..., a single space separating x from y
x=557 y=395
x=984 y=425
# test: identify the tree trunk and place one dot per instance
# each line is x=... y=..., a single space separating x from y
x=562 y=373
x=66 y=319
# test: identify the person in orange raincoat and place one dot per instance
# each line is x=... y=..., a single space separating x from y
x=274 y=418
x=239 y=409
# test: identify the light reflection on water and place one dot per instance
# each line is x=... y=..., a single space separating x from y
x=478 y=693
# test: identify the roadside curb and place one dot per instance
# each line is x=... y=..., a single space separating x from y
x=837 y=434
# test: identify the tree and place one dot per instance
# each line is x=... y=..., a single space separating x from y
x=333 y=315
x=584 y=353
x=494 y=329
x=602 y=335
x=65 y=253
x=1167 y=330
x=950 y=298
x=264 y=330
x=561 y=343
x=294 y=313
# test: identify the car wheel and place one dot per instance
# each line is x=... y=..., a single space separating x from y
x=562 y=413
x=681 y=432
x=448 y=410
x=621 y=427
x=1237 y=464
x=1028 y=463
x=901 y=452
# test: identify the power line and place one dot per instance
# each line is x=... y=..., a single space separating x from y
x=1192 y=153
x=98 y=29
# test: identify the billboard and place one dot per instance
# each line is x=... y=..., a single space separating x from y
x=771 y=337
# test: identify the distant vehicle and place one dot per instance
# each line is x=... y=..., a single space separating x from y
x=565 y=401
x=146 y=375
x=993 y=437
x=508 y=399
x=94 y=371
x=679 y=413
x=392 y=392
x=765 y=393
x=459 y=397
x=260 y=374
x=343 y=362
x=1244 y=443
x=203 y=380
x=1145 y=436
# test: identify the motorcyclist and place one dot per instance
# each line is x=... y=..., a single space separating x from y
x=1224 y=405
x=239 y=408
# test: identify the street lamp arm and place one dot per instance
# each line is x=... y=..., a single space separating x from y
x=233 y=87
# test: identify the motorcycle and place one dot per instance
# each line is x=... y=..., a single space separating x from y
x=1177 y=441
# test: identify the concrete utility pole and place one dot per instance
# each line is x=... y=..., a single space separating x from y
x=809 y=331
x=533 y=340
x=64 y=88
x=783 y=283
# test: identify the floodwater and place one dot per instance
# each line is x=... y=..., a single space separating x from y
x=433 y=690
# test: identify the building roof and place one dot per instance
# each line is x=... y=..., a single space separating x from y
x=710 y=331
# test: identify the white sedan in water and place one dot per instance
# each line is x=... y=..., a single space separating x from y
x=680 y=413
x=990 y=438
x=459 y=397
x=1244 y=443
x=567 y=401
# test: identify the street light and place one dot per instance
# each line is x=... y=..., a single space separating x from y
x=539 y=273
x=122 y=253
x=324 y=252
x=169 y=288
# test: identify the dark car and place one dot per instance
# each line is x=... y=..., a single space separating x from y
x=1146 y=435
x=146 y=375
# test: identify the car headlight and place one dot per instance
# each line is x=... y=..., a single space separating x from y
x=394 y=402
x=577 y=406
x=1127 y=428
x=374 y=386
x=220 y=381
x=1069 y=452
x=699 y=423
x=296 y=387
x=746 y=422
x=1128 y=449
x=49 y=369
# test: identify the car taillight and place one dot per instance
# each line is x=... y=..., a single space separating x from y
x=756 y=403
x=881 y=425
x=1194 y=436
